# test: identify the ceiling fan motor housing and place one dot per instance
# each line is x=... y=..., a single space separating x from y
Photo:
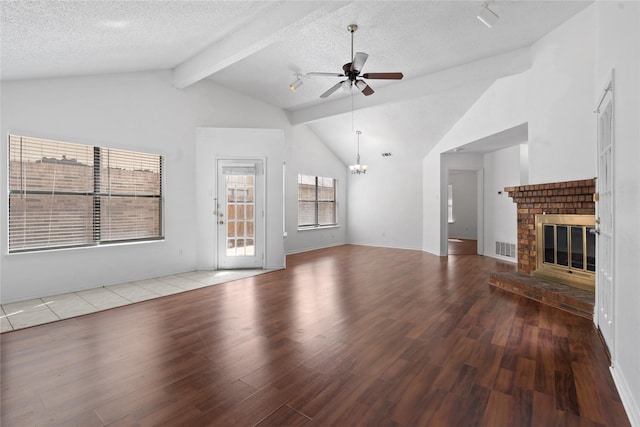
x=351 y=75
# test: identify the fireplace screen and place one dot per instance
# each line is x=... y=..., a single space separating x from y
x=570 y=246
x=566 y=249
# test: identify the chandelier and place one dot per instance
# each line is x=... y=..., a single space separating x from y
x=358 y=168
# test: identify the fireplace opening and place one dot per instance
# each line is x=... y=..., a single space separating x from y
x=566 y=248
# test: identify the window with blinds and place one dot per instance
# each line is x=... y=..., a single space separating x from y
x=317 y=201
x=65 y=195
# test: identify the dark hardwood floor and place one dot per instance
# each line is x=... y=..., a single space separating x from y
x=344 y=336
x=462 y=246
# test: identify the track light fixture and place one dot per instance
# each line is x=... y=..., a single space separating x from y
x=296 y=84
x=487 y=16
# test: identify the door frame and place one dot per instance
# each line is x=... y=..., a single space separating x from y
x=261 y=216
x=444 y=241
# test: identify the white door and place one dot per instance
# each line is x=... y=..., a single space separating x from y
x=605 y=284
x=240 y=214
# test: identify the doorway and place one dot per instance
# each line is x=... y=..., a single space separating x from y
x=462 y=212
x=239 y=214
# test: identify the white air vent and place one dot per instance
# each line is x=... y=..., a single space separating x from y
x=506 y=249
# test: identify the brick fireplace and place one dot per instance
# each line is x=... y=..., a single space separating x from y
x=569 y=197
x=553 y=199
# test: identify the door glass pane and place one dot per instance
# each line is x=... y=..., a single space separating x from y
x=240 y=186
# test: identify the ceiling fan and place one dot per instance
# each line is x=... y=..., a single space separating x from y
x=351 y=71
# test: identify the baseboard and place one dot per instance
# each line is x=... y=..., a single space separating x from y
x=431 y=251
x=299 y=251
x=407 y=248
x=630 y=406
x=502 y=258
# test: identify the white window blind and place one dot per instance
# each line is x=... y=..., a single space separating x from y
x=316 y=201
x=66 y=195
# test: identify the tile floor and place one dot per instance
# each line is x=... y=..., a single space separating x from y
x=38 y=311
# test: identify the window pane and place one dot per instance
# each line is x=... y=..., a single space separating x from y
x=43 y=165
x=46 y=221
x=306 y=213
x=326 y=194
x=326 y=213
x=307 y=180
x=129 y=218
x=129 y=172
x=51 y=187
x=306 y=192
x=316 y=201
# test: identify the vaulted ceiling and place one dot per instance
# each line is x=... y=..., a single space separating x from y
x=448 y=57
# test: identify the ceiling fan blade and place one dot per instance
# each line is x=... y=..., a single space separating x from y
x=388 y=76
x=333 y=88
x=364 y=88
x=358 y=61
x=326 y=74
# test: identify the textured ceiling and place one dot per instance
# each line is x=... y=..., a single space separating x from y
x=256 y=48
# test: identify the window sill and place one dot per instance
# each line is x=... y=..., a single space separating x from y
x=85 y=247
x=318 y=227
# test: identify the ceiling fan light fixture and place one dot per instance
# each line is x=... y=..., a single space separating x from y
x=296 y=84
x=487 y=16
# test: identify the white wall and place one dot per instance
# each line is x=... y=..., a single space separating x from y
x=561 y=122
x=385 y=205
x=502 y=169
x=144 y=112
x=503 y=106
x=140 y=112
x=216 y=143
x=618 y=46
x=218 y=107
x=304 y=155
x=465 y=204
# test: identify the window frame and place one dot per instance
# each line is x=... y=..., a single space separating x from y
x=450 y=218
x=97 y=193
x=317 y=201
